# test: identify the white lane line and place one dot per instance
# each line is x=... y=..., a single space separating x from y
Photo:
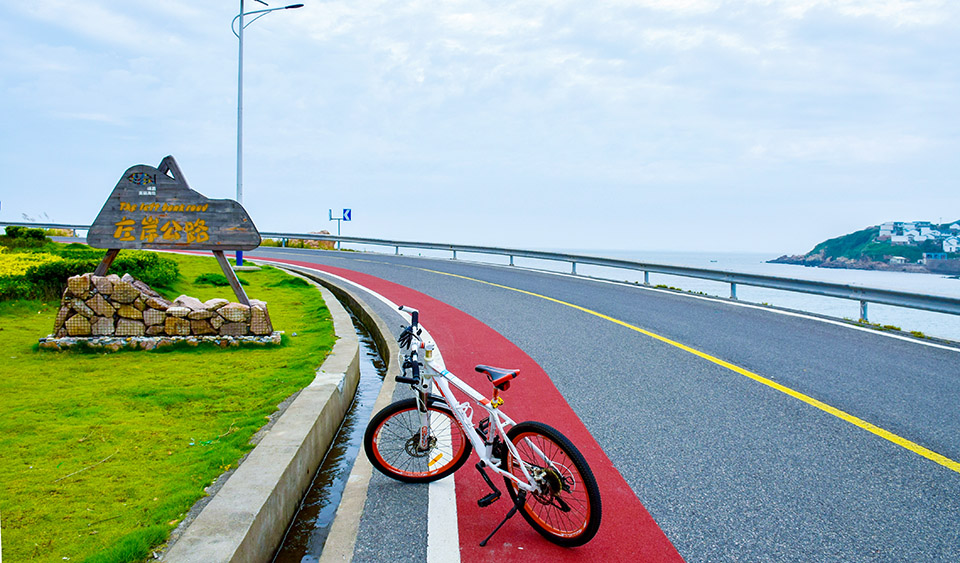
x=443 y=543
x=443 y=539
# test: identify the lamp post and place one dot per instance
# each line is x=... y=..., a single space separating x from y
x=239 y=33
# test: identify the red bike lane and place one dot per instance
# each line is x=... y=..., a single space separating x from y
x=627 y=531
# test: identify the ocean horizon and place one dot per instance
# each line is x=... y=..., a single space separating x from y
x=938 y=325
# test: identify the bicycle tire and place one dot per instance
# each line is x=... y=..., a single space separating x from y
x=567 y=509
x=390 y=442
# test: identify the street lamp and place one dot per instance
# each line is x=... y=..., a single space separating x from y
x=239 y=33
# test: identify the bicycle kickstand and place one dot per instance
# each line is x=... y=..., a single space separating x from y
x=521 y=498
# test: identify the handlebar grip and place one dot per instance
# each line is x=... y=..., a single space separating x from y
x=409 y=380
x=414 y=314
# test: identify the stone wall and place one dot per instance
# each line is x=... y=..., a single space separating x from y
x=94 y=306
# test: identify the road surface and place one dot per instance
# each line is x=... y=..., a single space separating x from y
x=718 y=431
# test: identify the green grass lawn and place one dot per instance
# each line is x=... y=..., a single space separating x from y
x=101 y=455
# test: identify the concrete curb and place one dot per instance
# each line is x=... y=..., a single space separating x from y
x=248 y=517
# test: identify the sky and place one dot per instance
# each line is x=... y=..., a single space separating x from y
x=683 y=125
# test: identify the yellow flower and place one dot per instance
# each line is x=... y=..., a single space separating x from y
x=17 y=264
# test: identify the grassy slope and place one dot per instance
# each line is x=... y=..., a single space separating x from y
x=102 y=454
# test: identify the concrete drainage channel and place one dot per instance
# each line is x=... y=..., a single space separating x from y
x=308 y=532
x=248 y=516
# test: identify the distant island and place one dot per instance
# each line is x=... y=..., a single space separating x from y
x=906 y=246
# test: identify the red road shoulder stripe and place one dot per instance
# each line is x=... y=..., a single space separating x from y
x=627 y=531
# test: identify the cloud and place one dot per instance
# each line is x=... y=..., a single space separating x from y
x=840 y=149
x=96 y=117
x=898 y=12
x=685 y=39
x=107 y=23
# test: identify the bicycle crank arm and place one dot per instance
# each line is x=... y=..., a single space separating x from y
x=492 y=497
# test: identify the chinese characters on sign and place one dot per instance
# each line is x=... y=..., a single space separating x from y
x=195 y=231
x=172 y=231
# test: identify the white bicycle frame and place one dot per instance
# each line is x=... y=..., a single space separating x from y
x=435 y=373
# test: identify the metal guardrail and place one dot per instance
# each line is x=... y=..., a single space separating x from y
x=865 y=295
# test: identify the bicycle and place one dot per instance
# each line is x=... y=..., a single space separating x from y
x=429 y=436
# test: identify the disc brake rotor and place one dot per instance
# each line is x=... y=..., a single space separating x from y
x=413 y=446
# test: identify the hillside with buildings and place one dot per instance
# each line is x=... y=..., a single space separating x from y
x=917 y=246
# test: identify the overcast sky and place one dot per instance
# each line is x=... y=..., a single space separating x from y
x=757 y=125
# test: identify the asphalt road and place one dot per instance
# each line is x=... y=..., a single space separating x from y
x=730 y=468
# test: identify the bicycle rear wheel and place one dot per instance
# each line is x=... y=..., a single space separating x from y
x=566 y=508
x=392 y=439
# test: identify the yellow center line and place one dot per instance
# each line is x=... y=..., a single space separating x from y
x=858 y=422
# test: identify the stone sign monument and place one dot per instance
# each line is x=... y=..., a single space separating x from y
x=154 y=208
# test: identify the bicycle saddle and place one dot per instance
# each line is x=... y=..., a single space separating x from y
x=500 y=377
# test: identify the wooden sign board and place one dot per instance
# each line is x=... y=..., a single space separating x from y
x=154 y=208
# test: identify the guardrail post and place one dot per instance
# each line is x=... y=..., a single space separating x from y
x=733 y=290
x=646 y=278
x=396 y=251
x=454 y=254
x=511 y=260
x=573 y=270
x=863 y=312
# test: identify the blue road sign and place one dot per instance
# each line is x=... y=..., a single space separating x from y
x=346 y=214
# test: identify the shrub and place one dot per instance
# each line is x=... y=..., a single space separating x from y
x=17 y=263
x=59 y=232
x=218 y=280
x=23 y=237
x=50 y=278
x=151 y=268
x=81 y=252
x=290 y=282
x=25 y=233
x=16 y=287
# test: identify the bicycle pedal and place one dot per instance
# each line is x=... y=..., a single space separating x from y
x=489 y=499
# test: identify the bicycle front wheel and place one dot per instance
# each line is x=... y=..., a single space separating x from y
x=566 y=507
x=392 y=442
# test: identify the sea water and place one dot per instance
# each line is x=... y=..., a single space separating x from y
x=929 y=323
x=939 y=325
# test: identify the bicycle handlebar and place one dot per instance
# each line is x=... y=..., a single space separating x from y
x=414 y=315
x=406 y=341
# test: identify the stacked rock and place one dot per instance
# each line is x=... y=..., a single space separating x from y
x=114 y=306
